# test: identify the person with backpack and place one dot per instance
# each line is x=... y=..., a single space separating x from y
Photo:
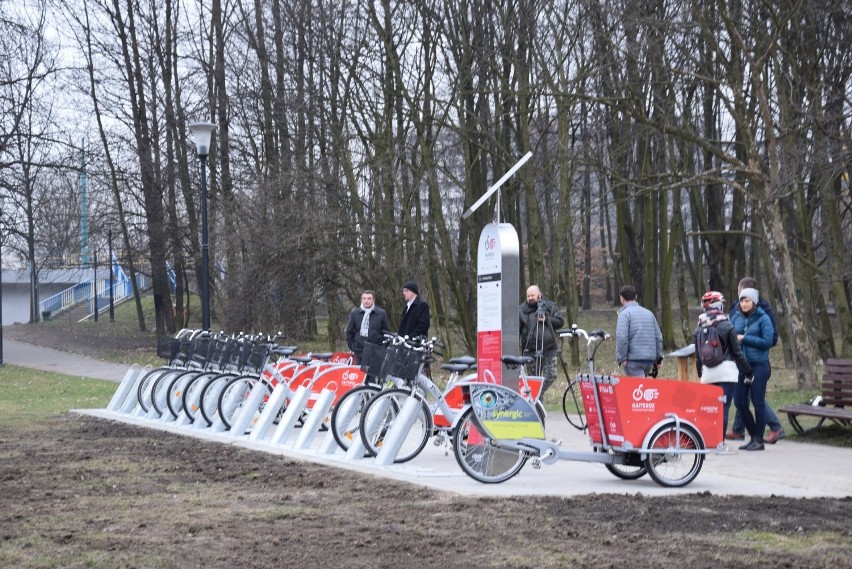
x=719 y=358
x=755 y=332
x=776 y=429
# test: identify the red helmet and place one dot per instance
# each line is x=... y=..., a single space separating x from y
x=711 y=298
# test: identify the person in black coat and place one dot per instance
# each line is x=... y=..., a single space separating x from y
x=359 y=331
x=415 y=316
x=538 y=320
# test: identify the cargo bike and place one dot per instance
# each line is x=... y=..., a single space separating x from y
x=661 y=427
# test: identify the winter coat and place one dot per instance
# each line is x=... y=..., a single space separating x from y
x=415 y=319
x=378 y=326
x=529 y=325
x=733 y=355
x=637 y=335
x=758 y=332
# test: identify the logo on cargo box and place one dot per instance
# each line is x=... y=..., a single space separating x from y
x=645 y=395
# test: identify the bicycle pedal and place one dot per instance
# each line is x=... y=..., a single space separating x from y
x=536 y=463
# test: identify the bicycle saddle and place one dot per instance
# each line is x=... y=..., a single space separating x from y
x=324 y=356
x=466 y=360
x=455 y=367
x=517 y=360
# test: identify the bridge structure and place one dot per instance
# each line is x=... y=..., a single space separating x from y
x=60 y=290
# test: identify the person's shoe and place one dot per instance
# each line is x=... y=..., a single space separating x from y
x=734 y=436
x=755 y=445
x=774 y=436
x=748 y=444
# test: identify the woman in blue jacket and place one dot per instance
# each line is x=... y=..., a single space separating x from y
x=755 y=332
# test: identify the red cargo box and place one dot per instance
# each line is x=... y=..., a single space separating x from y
x=632 y=405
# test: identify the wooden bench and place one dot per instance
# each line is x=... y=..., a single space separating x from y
x=836 y=404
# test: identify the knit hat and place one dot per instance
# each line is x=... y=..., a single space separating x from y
x=412 y=287
x=752 y=294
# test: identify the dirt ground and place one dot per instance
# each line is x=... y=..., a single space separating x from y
x=82 y=492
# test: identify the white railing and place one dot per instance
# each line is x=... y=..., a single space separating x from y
x=83 y=292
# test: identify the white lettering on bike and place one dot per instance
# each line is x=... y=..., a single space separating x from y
x=508 y=414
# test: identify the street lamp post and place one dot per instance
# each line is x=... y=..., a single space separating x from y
x=111 y=281
x=202 y=132
x=95 y=281
x=2 y=212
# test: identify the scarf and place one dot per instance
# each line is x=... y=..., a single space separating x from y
x=365 y=323
x=711 y=317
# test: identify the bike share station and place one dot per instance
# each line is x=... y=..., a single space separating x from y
x=635 y=425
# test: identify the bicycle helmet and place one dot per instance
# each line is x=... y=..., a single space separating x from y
x=713 y=300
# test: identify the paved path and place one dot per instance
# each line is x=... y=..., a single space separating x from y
x=784 y=469
x=48 y=359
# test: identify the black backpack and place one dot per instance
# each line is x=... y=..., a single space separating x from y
x=709 y=347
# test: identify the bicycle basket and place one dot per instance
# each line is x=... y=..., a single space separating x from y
x=402 y=362
x=167 y=347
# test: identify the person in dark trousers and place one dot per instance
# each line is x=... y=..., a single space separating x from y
x=538 y=321
x=776 y=430
x=367 y=323
x=725 y=374
x=755 y=332
x=415 y=316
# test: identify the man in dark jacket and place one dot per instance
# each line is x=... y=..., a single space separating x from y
x=415 y=316
x=539 y=319
x=367 y=323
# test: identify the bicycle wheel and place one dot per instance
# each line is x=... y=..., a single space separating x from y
x=159 y=391
x=191 y=396
x=143 y=391
x=627 y=471
x=673 y=468
x=572 y=406
x=378 y=417
x=208 y=402
x=234 y=396
x=174 y=394
x=346 y=416
x=479 y=458
x=542 y=412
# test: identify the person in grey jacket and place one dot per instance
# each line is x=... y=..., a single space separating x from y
x=367 y=323
x=638 y=339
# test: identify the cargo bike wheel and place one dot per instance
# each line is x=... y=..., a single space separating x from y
x=627 y=471
x=674 y=468
x=479 y=458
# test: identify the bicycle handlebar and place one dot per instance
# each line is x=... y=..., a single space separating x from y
x=418 y=343
x=574 y=331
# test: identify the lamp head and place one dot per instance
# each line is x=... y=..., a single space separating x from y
x=202 y=133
